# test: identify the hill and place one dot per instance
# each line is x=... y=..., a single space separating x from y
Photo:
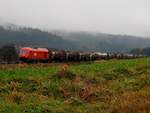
x=32 y=37
x=80 y=41
x=105 y=42
x=116 y=86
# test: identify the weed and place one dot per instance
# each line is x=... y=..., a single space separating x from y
x=74 y=101
x=15 y=97
x=30 y=85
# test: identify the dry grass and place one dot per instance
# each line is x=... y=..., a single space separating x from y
x=132 y=102
x=15 y=96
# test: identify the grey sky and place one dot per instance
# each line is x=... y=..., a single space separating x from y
x=110 y=16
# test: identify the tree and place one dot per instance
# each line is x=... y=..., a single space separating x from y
x=8 y=54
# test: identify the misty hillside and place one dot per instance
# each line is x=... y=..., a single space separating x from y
x=80 y=41
x=32 y=37
x=105 y=42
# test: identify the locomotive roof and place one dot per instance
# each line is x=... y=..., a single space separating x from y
x=32 y=49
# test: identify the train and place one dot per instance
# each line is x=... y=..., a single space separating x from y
x=45 y=55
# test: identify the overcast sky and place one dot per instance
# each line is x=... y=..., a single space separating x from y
x=110 y=16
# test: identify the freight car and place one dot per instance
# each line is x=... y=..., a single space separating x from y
x=28 y=54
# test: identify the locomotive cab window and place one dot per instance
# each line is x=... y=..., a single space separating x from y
x=23 y=52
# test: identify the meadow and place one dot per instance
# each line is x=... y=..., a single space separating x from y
x=115 y=86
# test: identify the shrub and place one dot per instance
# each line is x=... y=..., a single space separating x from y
x=66 y=74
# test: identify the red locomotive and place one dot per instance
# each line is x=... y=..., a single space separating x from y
x=28 y=54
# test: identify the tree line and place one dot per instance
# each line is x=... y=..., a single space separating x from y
x=138 y=51
x=8 y=54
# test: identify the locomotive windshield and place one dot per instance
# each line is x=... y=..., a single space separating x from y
x=23 y=52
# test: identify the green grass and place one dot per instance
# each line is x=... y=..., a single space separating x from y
x=27 y=72
x=115 y=86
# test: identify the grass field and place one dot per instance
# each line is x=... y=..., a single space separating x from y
x=115 y=86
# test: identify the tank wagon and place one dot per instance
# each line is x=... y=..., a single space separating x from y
x=28 y=54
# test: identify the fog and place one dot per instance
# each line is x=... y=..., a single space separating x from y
x=130 y=17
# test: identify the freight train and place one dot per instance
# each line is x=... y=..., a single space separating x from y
x=28 y=54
